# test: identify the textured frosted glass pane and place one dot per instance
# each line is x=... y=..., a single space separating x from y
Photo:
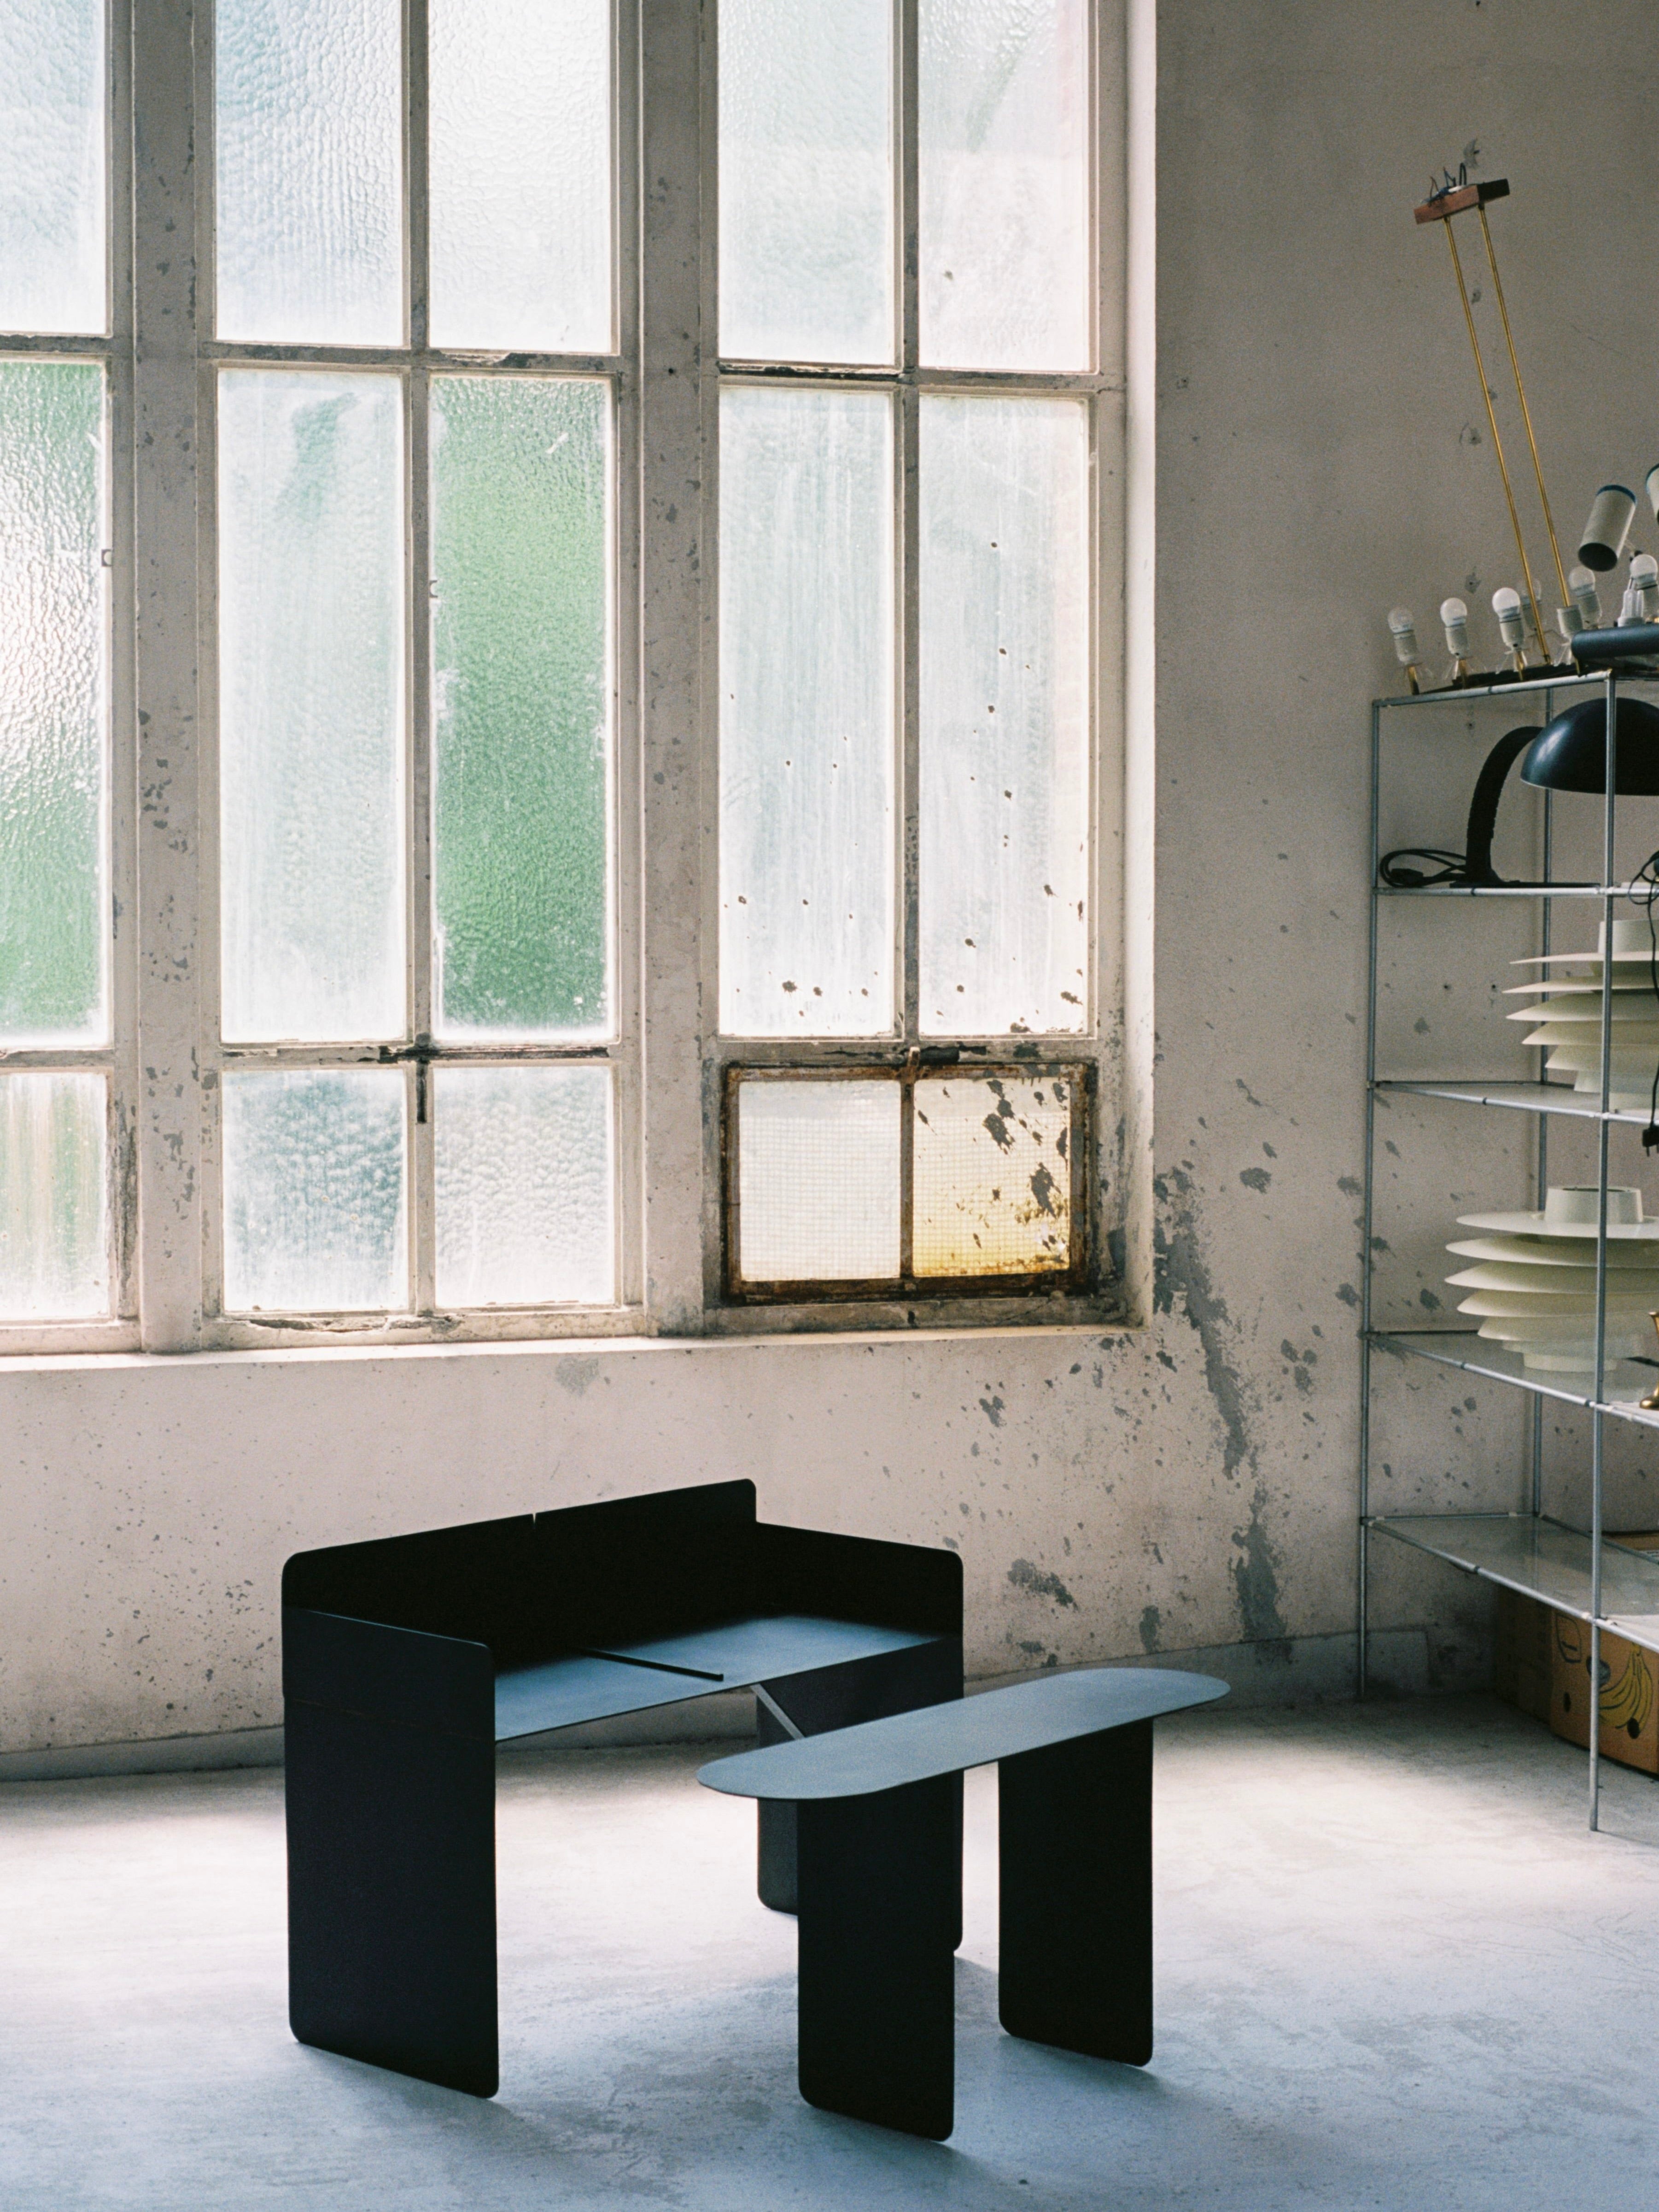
x=309 y=171
x=524 y=1186
x=806 y=180
x=1005 y=715
x=311 y=712
x=806 y=714
x=522 y=172
x=818 y=1181
x=54 y=766
x=54 y=1240
x=993 y=1176
x=314 y=1193
x=521 y=691
x=52 y=106
x=1005 y=184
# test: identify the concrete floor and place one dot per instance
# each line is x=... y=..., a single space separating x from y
x=1394 y=1969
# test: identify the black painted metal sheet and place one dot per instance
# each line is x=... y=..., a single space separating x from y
x=733 y=1656
x=946 y=1739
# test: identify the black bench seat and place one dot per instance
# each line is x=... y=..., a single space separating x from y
x=879 y=1881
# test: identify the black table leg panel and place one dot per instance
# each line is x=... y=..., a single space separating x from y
x=880 y=1893
x=391 y=1896
x=1076 y=1840
x=837 y=1697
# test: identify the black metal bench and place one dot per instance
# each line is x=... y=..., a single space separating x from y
x=406 y=1661
x=880 y=1880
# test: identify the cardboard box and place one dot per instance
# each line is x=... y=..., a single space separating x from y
x=1523 y=1635
x=1629 y=1728
x=1540 y=1663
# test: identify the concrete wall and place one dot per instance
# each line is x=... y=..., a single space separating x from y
x=1319 y=455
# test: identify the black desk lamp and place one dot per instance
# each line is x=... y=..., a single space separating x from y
x=1571 y=754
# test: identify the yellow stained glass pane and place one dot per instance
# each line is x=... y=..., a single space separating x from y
x=993 y=1176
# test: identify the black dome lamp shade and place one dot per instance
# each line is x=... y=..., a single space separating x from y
x=1572 y=754
x=1569 y=754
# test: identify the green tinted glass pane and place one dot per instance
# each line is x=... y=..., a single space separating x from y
x=54 y=1242
x=521 y=691
x=53 y=718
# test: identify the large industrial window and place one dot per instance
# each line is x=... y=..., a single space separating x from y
x=548 y=737
x=909 y=376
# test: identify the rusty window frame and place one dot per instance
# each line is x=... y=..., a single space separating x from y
x=917 y=1066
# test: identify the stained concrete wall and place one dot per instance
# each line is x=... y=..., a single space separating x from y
x=1187 y=1484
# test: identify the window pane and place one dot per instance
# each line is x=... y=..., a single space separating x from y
x=309 y=171
x=311 y=689
x=806 y=180
x=314 y=1192
x=522 y=170
x=53 y=98
x=806 y=714
x=54 y=1238
x=1005 y=715
x=54 y=764
x=521 y=691
x=817 y=1180
x=1005 y=184
x=993 y=1176
x=524 y=1181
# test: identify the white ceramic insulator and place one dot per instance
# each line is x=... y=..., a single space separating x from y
x=1630 y=607
x=1455 y=616
x=1608 y=526
x=1403 y=629
x=1569 y=621
x=1581 y=582
x=1506 y=606
x=1644 y=582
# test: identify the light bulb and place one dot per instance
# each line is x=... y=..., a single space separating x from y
x=1403 y=628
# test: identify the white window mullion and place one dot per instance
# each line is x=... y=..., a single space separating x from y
x=166 y=505
x=677 y=383
x=417 y=247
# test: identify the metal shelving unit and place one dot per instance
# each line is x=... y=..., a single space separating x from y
x=1580 y=1573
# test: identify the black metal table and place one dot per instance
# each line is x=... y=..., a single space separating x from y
x=877 y=1808
x=407 y=1661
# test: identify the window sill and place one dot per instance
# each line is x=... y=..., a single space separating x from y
x=800 y=1333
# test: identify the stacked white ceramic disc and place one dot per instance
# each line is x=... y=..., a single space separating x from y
x=1566 y=1016
x=1534 y=1285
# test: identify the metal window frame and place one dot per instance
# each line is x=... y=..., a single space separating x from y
x=1089 y=1292
x=116 y=1060
x=194 y=1265
x=1048 y=1283
x=668 y=1063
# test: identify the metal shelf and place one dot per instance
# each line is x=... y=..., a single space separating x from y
x=1544 y=1559
x=1586 y=1574
x=1553 y=679
x=1525 y=1097
x=1626 y=1380
x=1508 y=890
